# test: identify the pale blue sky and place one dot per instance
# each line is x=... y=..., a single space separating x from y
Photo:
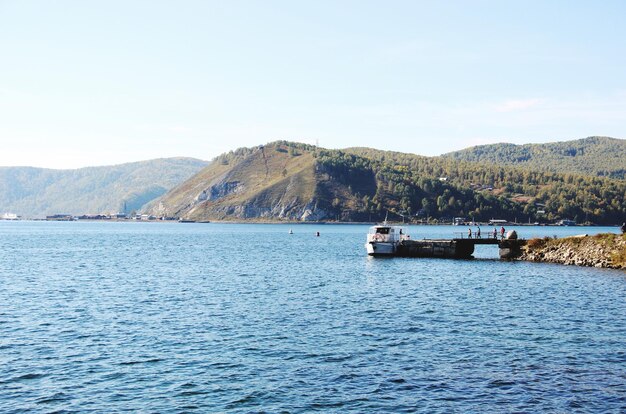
x=92 y=83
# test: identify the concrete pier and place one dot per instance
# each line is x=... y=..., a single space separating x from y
x=456 y=248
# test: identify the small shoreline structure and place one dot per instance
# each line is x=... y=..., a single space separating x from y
x=10 y=217
x=393 y=241
x=606 y=250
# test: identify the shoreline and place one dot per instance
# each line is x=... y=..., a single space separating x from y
x=270 y=221
x=603 y=250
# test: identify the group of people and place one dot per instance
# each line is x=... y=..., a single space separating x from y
x=502 y=231
x=494 y=233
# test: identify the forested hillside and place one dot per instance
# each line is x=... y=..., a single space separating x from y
x=599 y=156
x=37 y=192
x=284 y=180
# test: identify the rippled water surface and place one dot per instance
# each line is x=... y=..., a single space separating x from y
x=174 y=317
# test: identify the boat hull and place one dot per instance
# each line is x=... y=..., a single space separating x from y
x=380 y=248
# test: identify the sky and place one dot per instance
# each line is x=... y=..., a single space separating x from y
x=86 y=83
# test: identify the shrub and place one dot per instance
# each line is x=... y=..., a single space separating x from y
x=537 y=243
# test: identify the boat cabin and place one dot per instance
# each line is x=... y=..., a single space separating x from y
x=386 y=234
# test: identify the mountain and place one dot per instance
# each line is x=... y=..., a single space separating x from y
x=36 y=192
x=276 y=181
x=291 y=181
x=599 y=156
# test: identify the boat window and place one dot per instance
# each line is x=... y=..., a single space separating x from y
x=382 y=230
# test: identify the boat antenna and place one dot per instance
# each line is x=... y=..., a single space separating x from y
x=386 y=214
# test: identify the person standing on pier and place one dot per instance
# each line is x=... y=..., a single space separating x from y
x=495 y=233
x=502 y=232
x=477 y=232
x=469 y=232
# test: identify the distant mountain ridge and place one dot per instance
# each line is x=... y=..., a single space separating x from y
x=599 y=156
x=298 y=182
x=37 y=192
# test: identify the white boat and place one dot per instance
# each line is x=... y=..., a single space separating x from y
x=383 y=239
x=9 y=216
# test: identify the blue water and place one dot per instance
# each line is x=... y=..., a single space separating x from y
x=107 y=317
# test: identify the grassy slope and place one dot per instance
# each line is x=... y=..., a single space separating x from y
x=265 y=177
x=261 y=175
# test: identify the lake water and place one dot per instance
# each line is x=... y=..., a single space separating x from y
x=169 y=317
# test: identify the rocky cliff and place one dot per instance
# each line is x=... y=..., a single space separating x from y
x=602 y=250
x=273 y=182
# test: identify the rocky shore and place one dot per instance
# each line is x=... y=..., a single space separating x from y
x=603 y=250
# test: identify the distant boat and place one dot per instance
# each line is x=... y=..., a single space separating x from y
x=290 y=231
x=498 y=222
x=9 y=216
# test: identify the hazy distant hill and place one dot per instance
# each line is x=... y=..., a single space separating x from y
x=291 y=181
x=600 y=156
x=36 y=192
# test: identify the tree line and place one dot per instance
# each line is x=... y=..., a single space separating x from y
x=441 y=188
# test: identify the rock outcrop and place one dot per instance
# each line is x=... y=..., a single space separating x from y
x=603 y=250
x=276 y=182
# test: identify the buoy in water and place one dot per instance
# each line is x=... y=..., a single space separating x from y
x=317 y=234
x=290 y=231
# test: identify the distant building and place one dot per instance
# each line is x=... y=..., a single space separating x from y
x=60 y=217
x=93 y=217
